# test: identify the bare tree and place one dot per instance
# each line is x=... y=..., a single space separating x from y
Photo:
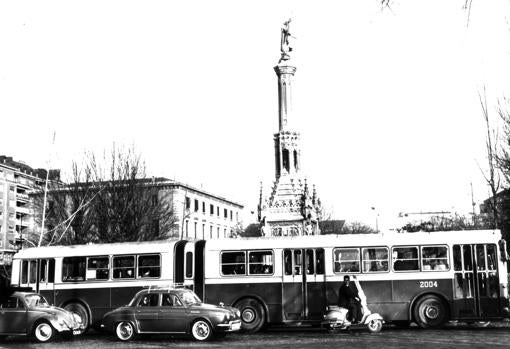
x=357 y=228
x=110 y=200
x=492 y=174
x=130 y=206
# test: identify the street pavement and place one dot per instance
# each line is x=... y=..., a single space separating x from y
x=452 y=336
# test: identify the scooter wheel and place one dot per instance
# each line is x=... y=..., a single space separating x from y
x=375 y=325
x=333 y=330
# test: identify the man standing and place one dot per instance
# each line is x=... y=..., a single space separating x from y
x=348 y=298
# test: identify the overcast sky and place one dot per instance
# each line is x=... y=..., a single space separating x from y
x=386 y=100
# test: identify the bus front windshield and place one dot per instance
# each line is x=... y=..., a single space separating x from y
x=190 y=298
x=34 y=300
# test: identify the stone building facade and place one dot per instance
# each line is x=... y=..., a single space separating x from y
x=16 y=215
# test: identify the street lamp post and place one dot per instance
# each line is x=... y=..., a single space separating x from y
x=376 y=220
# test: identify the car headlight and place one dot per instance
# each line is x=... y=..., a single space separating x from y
x=77 y=318
x=222 y=317
x=238 y=313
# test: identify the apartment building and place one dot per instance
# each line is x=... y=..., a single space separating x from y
x=16 y=215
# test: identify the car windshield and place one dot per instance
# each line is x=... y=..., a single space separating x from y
x=35 y=300
x=189 y=298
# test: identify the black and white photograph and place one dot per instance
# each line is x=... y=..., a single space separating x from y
x=254 y=174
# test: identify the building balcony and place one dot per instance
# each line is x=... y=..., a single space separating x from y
x=23 y=210
x=22 y=222
x=22 y=197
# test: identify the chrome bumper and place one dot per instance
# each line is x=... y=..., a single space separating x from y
x=231 y=326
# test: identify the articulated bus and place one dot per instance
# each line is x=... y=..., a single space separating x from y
x=426 y=278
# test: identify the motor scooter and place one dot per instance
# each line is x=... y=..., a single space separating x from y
x=335 y=318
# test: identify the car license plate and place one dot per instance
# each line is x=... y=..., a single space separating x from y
x=76 y=332
x=236 y=326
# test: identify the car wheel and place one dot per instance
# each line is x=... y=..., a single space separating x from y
x=252 y=315
x=430 y=311
x=201 y=330
x=125 y=331
x=79 y=310
x=375 y=325
x=43 y=332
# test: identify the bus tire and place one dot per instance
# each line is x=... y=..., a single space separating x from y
x=80 y=310
x=253 y=315
x=430 y=312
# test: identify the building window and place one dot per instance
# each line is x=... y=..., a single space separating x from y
x=211 y=209
x=195 y=230
x=218 y=231
x=187 y=224
x=203 y=207
x=225 y=213
x=225 y=232
x=210 y=231
x=203 y=231
x=155 y=226
x=189 y=264
x=237 y=216
x=154 y=200
x=231 y=215
x=196 y=205
x=218 y=211
x=188 y=203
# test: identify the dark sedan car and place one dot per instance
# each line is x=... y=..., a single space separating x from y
x=172 y=311
x=28 y=313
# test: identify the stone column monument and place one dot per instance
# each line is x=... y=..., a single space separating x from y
x=291 y=208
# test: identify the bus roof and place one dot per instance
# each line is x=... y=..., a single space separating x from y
x=97 y=249
x=381 y=239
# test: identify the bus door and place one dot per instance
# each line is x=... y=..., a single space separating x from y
x=476 y=281
x=199 y=277
x=304 y=287
x=188 y=264
x=315 y=284
x=179 y=262
x=46 y=279
x=293 y=294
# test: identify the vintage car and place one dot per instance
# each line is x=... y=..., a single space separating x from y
x=171 y=310
x=28 y=313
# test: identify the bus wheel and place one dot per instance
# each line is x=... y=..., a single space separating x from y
x=79 y=310
x=430 y=311
x=252 y=315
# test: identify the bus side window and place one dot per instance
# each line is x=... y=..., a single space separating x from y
x=51 y=271
x=287 y=261
x=297 y=262
x=43 y=271
x=73 y=269
x=319 y=258
x=405 y=259
x=189 y=264
x=310 y=268
x=24 y=272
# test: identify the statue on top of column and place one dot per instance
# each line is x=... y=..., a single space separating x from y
x=284 y=44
